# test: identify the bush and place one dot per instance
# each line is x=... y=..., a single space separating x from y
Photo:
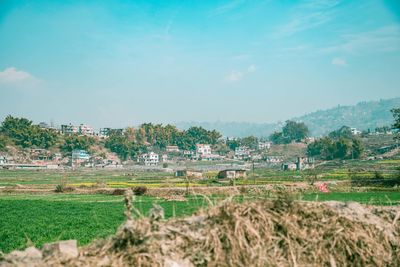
x=139 y=190
x=59 y=188
x=118 y=192
x=165 y=165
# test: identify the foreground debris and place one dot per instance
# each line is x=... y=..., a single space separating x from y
x=279 y=233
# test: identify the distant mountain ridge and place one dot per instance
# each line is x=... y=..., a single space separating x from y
x=363 y=116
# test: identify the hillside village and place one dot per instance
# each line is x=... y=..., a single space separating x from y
x=168 y=149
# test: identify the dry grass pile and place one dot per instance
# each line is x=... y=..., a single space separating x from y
x=278 y=233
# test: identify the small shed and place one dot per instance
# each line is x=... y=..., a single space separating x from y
x=232 y=173
x=189 y=173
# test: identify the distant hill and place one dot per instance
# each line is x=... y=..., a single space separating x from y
x=363 y=116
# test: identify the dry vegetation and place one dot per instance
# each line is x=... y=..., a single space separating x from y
x=267 y=233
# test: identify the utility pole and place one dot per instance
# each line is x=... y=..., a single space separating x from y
x=254 y=177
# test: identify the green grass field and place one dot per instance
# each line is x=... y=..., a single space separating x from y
x=46 y=218
x=372 y=198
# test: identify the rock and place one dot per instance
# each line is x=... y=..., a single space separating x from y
x=104 y=262
x=29 y=257
x=177 y=263
x=67 y=249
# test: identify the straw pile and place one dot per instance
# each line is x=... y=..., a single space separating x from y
x=278 y=233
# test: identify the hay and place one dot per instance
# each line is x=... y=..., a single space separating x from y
x=279 y=233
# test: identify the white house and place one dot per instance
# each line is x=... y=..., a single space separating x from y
x=80 y=155
x=354 y=131
x=3 y=160
x=150 y=159
x=264 y=145
x=203 y=150
x=242 y=152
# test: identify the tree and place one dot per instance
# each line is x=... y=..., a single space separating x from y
x=396 y=124
x=328 y=148
x=342 y=148
x=4 y=141
x=233 y=144
x=295 y=131
x=23 y=133
x=250 y=142
x=343 y=132
x=278 y=138
x=120 y=145
x=357 y=148
x=73 y=142
x=396 y=115
x=292 y=131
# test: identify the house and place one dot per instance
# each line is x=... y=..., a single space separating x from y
x=82 y=129
x=86 y=130
x=264 y=145
x=354 y=131
x=39 y=154
x=106 y=132
x=232 y=173
x=150 y=159
x=304 y=163
x=289 y=166
x=273 y=159
x=57 y=156
x=189 y=173
x=188 y=154
x=69 y=129
x=242 y=152
x=82 y=155
x=172 y=149
x=3 y=160
x=203 y=149
x=164 y=158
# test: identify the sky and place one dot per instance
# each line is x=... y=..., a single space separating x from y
x=119 y=63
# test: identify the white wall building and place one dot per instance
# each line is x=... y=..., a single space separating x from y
x=264 y=145
x=203 y=150
x=354 y=131
x=242 y=152
x=82 y=129
x=150 y=159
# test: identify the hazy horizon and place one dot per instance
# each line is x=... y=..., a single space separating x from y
x=122 y=63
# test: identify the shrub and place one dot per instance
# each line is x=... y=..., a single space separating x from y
x=139 y=190
x=59 y=188
x=118 y=192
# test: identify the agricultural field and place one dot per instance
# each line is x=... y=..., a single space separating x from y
x=32 y=213
x=40 y=219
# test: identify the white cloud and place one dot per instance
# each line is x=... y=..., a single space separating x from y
x=341 y=62
x=384 y=39
x=234 y=76
x=308 y=15
x=251 y=68
x=12 y=76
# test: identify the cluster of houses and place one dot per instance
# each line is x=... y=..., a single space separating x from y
x=81 y=129
x=202 y=152
x=245 y=153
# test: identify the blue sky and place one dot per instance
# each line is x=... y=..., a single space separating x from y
x=119 y=63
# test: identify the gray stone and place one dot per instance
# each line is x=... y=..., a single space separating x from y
x=67 y=249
